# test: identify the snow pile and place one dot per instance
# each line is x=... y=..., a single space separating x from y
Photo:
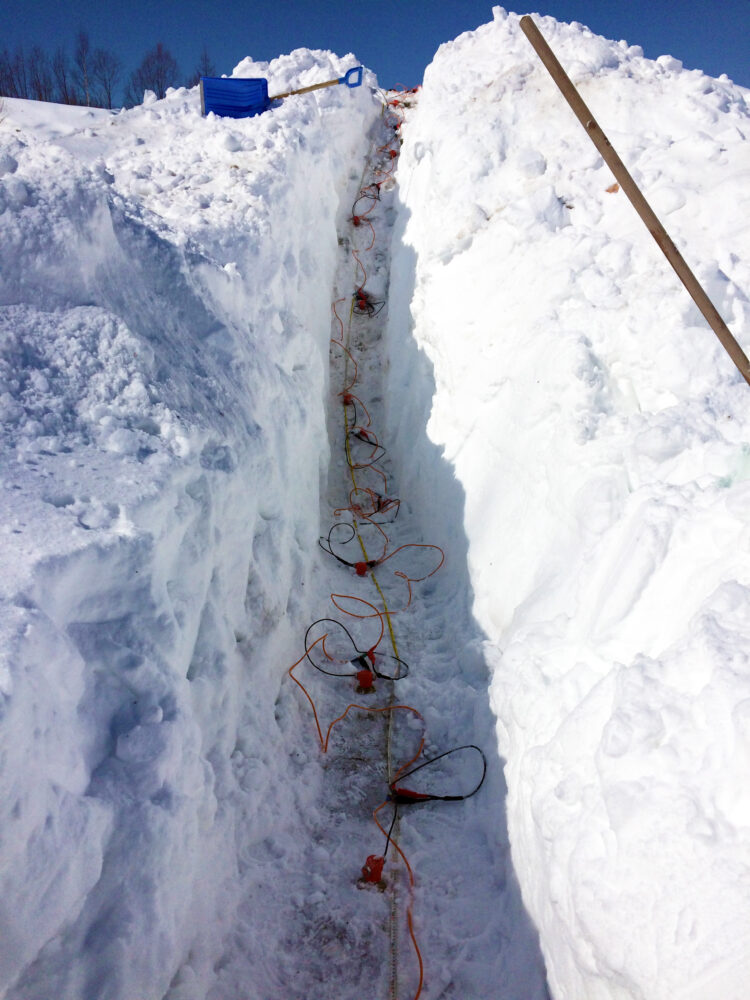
x=164 y=318
x=600 y=435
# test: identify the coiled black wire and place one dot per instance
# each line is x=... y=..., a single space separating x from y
x=361 y=660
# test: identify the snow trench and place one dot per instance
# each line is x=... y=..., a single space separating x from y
x=169 y=828
x=471 y=935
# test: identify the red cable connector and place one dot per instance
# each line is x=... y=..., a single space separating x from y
x=405 y=796
x=366 y=679
x=361 y=569
x=372 y=870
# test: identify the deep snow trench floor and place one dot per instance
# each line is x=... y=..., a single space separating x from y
x=418 y=900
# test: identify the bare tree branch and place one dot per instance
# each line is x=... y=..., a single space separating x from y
x=41 y=81
x=106 y=68
x=66 y=89
x=205 y=67
x=157 y=71
x=82 y=63
x=14 y=81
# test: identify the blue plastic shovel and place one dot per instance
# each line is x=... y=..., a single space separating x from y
x=243 y=98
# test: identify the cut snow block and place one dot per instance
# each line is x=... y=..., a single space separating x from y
x=234 y=98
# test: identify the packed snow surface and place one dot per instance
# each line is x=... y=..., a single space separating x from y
x=601 y=437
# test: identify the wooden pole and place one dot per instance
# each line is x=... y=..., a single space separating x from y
x=631 y=189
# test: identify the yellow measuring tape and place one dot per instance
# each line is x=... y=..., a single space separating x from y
x=393 y=901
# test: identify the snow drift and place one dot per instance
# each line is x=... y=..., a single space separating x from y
x=600 y=435
x=165 y=312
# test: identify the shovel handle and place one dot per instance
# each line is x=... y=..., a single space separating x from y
x=304 y=90
x=352 y=78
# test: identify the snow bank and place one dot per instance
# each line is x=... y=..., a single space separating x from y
x=164 y=318
x=600 y=435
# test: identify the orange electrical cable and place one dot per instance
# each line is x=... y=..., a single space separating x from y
x=399 y=573
x=375 y=502
x=363 y=282
x=325 y=740
x=372 y=230
x=386 y=539
x=415 y=545
x=380 y=615
x=410 y=922
x=370 y=438
x=356 y=369
x=409 y=908
x=364 y=195
x=349 y=396
x=339 y=321
x=380 y=504
x=353 y=614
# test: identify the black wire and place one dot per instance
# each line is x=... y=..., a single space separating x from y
x=446 y=798
x=395 y=501
x=327 y=545
x=390 y=830
x=403 y=668
x=352 y=402
x=373 y=458
x=365 y=195
x=330 y=673
x=371 y=308
x=361 y=659
x=329 y=550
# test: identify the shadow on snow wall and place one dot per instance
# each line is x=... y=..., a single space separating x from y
x=453 y=640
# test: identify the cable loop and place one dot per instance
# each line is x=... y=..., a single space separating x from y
x=361 y=659
x=405 y=796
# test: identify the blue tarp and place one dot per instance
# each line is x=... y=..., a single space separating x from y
x=234 y=98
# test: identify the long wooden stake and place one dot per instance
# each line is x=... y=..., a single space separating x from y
x=631 y=189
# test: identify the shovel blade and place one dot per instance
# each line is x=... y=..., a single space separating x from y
x=234 y=98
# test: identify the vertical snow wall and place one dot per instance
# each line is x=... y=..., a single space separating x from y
x=165 y=314
x=598 y=437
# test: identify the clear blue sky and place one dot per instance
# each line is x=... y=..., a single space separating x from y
x=395 y=38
